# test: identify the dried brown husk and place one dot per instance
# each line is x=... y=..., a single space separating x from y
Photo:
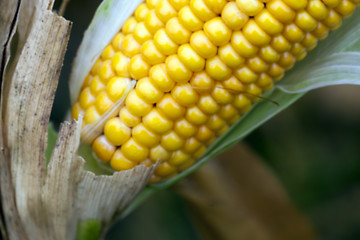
x=40 y=202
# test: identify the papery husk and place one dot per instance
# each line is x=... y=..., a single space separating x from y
x=39 y=202
x=236 y=196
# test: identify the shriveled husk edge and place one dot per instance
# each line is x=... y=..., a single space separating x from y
x=108 y=19
x=50 y=201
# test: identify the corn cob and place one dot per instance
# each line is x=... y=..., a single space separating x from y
x=199 y=65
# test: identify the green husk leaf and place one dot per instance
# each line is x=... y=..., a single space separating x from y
x=108 y=19
x=335 y=61
x=52 y=137
x=88 y=230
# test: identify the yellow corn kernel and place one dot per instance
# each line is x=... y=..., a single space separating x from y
x=164 y=43
x=190 y=20
x=134 y=151
x=137 y=106
x=242 y=45
x=190 y=58
x=202 y=45
x=156 y=122
x=250 y=7
x=202 y=82
x=317 y=9
x=159 y=154
x=217 y=69
x=165 y=11
x=103 y=149
x=280 y=10
x=233 y=17
x=198 y=65
x=116 y=87
x=177 y=32
x=268 y=22
x=144 y=136
x=201 y=10
x=141 y=33
x=129 y=119
x=160 y=78
x=179 y=158
x=217 y=31
x=177 y=70
x=103 y=102
x=119 y=162
x=230 y=57
x=170 y=108
x=184 y=128
x=171 y=141
x=116 y=131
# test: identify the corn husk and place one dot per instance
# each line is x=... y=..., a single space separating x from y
x=39 y=201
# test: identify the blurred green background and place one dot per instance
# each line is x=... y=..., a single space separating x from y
x=313 y=147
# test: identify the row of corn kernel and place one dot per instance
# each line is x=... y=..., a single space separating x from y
x=218 y=67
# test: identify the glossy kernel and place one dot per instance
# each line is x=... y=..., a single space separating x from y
x=116 y=87
x=305 y=21
x=268 y=22
x=185 y=95
x=103 y=149
x=190 y=58
x=280 y=10
x=151 y=54
x=217 y=69
x=202 y=45
x=176 y=70
x=147 y=91
x=196 y=116
x=156 y=122
x=164 y=43
x=184 y=128
x=103 y=102
x=190 y=20
x=208 y=105
x=201 y=10
x=160 y=78
x=250 y=7
x=165 y=11
x=171 y=141
x=202 y=82
x=242 y=45
x=141 y=33
x=129 y=119
x=144 y=136
x=177 y=32
x=245 y=75
x=230 y=57
x=116 y=131
x=120 y=63
x=120 y=163
x=217 y=31
x=317 y=9
x=137 y=106
x=134 y=151
x=233 y=17
x=170 y=107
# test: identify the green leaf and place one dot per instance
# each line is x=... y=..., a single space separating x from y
x=89 y=230
x=52 y=137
